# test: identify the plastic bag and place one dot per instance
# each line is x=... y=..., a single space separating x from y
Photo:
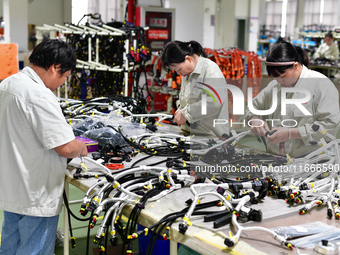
x=302 y=230
x=331 y=234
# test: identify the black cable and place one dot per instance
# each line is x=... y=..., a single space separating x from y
x=88 y=236
x=73 y=242
x=133 y=165
x=69 y=210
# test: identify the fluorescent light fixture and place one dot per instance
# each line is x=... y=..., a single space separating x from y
x=322 y=6
x=284 y=18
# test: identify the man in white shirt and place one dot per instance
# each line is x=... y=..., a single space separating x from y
x=35 y=142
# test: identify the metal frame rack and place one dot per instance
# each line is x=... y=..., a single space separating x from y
x=91 y=64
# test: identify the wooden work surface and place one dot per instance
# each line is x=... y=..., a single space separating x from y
x=202 y=237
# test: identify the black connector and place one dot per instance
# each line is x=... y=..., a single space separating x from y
x=215 y=216
x=330 y=213
x=315 y=127
x=189 y=201
x=73 y=242
x=92 y=207
x=223 y=220
x=114 y=241
x=182 y=228
x=255 y=215
x=220 y=190
x=83 y=210
x=109 y=178
x=228 y=242
x=303 y=186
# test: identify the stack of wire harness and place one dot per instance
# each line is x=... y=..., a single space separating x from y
x=311 y=180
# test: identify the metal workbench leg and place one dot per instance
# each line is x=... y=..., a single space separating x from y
x=66 y=228
x=173 y=248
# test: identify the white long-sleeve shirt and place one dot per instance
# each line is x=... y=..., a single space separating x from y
x=323 y=105
x=190 y=98
x=329 y=52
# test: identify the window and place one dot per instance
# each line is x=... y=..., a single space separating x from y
x=273 y=14
x=313 y=18
x=108 y=9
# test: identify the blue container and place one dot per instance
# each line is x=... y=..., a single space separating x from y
x=161 y=246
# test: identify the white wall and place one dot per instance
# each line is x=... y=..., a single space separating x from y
x=150 y=3
x=189 y=19
x=78 y=11
x=208 y=27
x=241 y=8
x=225 y=24
x=46 y=11
x=254 y=25
x=15 y=29
x=1 y=9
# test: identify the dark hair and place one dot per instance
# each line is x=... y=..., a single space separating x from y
x=330 y=35
x=54 y=52
x=175 y=52
x=283 y=51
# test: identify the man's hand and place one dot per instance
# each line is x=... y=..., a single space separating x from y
x=179 y=118
x=258 y=126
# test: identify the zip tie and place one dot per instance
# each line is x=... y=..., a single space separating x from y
x=213 y=178
x=69 y=120
x=83 y=165
x=184 y=164
x=112 y=232
x=146 y=230
x=96 y=199
x=312 y=184
x=228 y=197
x=169 y=170
x=198 y=201
x=96 y=176
x=232 y=237
x=289 y=158
x=116 y=185
x=136 y=200
x=187 y=220
x=324 y=131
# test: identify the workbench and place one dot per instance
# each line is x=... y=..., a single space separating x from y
x=201 y=236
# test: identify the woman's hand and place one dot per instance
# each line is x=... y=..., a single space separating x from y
x=179 y=118
x=281 y=135
x=258 y=126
